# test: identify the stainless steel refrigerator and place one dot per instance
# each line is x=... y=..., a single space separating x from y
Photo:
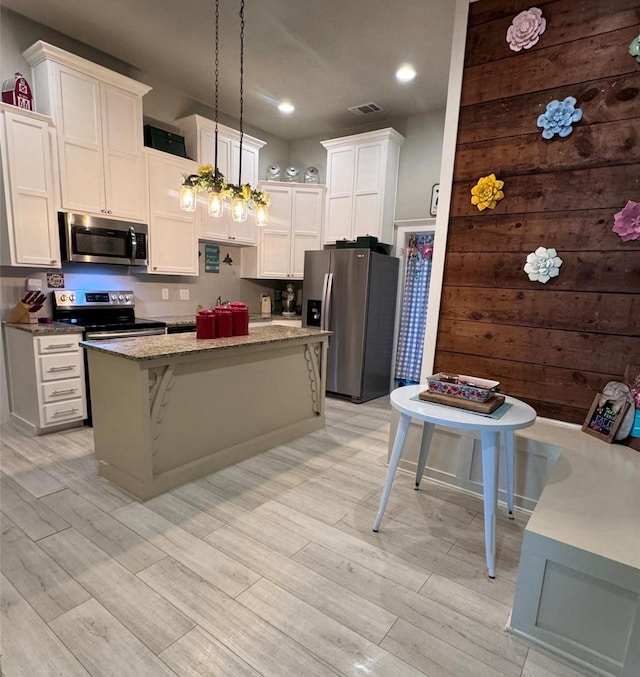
x=352 y=292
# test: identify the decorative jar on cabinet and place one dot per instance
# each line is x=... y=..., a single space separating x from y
x=295 y=226
x=30 y=189
x=199 y=134
x=362 y=177
x=98 y=118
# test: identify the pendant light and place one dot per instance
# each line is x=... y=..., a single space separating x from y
x=243 y=197
x=239 y=204
x=215 y=199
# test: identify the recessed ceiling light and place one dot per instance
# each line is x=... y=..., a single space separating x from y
x=406 y=73
x=286 y=107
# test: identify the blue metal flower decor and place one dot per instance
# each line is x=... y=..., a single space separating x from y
x=634 y=48
x=559 y=117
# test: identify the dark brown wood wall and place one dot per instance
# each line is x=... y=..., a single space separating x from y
x=553 y=345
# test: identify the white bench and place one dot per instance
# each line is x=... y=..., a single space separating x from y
x=578 y=589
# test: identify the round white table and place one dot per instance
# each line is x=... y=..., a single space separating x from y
x=519 y=415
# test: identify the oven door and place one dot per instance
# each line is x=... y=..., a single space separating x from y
x=93 y=240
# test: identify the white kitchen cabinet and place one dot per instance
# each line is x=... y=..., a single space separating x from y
x=173 y=234
x=30 y=189
x=295 y=226
x=46 y=380
x=199 y=134
x=98 y=118
x=362 y=177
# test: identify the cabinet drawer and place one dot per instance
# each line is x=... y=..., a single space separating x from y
x=55 y=367
x=62 y=390
x=58 y=344
x=59 y=412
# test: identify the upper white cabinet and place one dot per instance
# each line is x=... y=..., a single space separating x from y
x=30 y=189
x=295 y=226
x=362 y=177
x=173 y=236
x=98 y=118
x=199 y=134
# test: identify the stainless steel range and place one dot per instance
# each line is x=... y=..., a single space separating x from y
x=102 y=315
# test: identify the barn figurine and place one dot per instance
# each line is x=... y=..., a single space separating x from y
x=16 y=91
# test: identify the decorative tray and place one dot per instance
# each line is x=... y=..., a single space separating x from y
x=464 y=387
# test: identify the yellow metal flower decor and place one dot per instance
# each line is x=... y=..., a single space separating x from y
x=487 y=192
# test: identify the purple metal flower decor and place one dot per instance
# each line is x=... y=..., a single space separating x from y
x=626 y=222
x=526 y=29
x=559 y=117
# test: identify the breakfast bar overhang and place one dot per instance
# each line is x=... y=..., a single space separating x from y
x=173 y=408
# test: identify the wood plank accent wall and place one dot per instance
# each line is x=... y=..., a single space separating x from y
x=552 y=345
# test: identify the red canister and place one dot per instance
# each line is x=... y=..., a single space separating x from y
x=240 y=318
x=206 y=324
x=224 y=323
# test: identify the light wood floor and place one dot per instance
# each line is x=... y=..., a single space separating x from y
x=269 y=567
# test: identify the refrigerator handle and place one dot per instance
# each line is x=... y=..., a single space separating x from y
x=327 y=317
x=323 y=306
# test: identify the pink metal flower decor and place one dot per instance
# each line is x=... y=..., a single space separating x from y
x=626 y=222
x=526 y=29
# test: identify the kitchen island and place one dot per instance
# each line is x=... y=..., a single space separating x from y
x=169 y=409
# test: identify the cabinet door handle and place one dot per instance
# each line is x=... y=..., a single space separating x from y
x=53 y=261
x=103 y=211
x=68 y=391
x=55 y=346
x=109 y=211
x=155 y=267
x=67 y=368
x=66 y=412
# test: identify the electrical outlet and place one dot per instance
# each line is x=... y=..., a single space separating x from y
x=184 y=294
x=165 y=294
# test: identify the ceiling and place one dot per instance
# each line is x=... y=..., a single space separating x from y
x=323 y=56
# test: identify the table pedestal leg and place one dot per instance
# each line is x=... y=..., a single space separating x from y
x=509 y=452
x=398 y=443
x=427 y=434
x=490 y=452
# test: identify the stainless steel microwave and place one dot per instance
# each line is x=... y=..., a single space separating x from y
x=90 y=239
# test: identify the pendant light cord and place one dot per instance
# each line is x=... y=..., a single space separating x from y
x=216 y=85
x=241 y=88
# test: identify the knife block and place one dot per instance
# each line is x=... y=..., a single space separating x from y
x=21 y=315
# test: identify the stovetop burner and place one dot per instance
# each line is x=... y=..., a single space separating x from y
x=99 y=310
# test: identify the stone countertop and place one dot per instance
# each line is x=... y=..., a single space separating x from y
x=183 y=320
x=45 y=329
x=175 y=345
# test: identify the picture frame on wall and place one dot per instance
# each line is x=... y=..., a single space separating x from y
x=603 y=420
x=435 y=194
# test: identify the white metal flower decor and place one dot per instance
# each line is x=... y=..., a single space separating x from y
x=542 y=265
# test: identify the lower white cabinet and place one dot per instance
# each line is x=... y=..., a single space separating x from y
x=295 y=226
x=173 y=234
x=46 y=380
x=30 y=189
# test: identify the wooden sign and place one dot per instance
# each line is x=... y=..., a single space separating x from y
x=604 y=419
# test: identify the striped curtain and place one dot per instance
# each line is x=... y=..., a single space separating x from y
x=415 y=301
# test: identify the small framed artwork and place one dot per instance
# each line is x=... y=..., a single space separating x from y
x=435 y=192
x=604 y=419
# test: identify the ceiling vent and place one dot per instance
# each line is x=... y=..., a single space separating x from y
x=365 y=108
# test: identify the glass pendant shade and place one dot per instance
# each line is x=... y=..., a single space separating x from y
x=215 y=204
x=261 y=215
x=187 y=197
x=239 y=209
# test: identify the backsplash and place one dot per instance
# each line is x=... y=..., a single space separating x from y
x=204 y=289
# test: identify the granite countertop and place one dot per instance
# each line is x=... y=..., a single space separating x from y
x=181 y=320
x=45 y=328
x=175 y=345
